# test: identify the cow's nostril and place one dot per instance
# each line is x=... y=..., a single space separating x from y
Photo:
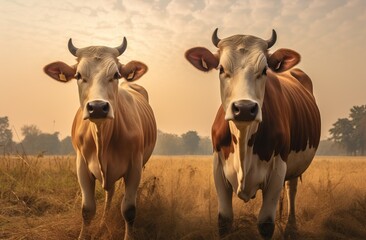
x=254 y=109
x=106 y=108
x=236 y=110
x=90 y=108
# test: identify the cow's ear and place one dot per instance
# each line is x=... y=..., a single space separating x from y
x=283 y=59
x=132 y=70
x=60 y=71
x=202 y=58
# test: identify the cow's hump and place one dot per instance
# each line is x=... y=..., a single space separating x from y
x=139 y=89
x=303 y=78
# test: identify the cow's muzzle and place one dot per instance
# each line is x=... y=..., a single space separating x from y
x=244 y=110
x=97 y=109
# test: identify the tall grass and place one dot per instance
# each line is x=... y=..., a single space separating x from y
x=40 y=199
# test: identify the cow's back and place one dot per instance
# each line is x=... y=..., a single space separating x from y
x=291 y=118
x=145 y=115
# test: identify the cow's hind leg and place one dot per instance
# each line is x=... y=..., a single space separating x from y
x=128 y=207
x=291 y=227
x=88 y=208
x=224 y=196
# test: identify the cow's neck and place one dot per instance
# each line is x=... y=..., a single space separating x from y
x=102 y=134
x=246 y=164
x=241 y=135
x=97 y=131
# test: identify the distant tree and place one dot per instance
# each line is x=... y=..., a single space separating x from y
x=29 y=143
x=205 y=146
x=6 y=136
x=168 y=144
x=36 y=142
x=358 y=119
x=187 y=143
x=343 y=133
x=191 y=142
x=351 y=132
x=48 y=143
x=30 y=130
x=66 y=146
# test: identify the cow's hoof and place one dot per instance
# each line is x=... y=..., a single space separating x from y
x=129 y=215
x=224 y=225
x=86 y=237
x=266 y=229
x=291 y=232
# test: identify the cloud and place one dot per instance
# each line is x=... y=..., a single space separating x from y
x=183 y=7
x=159 y=31
x=171 y=23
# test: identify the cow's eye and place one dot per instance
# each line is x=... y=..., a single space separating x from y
x=117 y=75
x=78 y=76
x=264 y=71
x=222 y=70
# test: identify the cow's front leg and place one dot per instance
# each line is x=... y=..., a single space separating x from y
x=128 y=207
x=224 y=196
x=291 y=227
x=107 y=205
x=87 y=186
x=271 y=194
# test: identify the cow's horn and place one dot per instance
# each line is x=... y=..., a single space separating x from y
x=72 y=48
x=215 y=39
x=121 y=48
x=272 y=40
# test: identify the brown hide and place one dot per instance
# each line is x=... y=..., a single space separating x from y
x=221 y=136
x=291 y=119
x=130 y=134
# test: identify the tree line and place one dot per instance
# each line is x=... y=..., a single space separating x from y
x=189 y=143
x=347 y=137
x=36 y=142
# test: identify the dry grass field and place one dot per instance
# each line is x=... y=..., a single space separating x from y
x=40 y=199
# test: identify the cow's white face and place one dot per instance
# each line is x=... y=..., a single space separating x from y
x=242 y=61
x=97 y=73
x=242 y=72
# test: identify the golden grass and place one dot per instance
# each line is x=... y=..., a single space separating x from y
x=40 y=199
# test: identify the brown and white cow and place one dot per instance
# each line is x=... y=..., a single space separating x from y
x=267 y=129
x=114 y=130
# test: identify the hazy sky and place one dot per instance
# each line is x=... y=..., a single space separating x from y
x=330 y=35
